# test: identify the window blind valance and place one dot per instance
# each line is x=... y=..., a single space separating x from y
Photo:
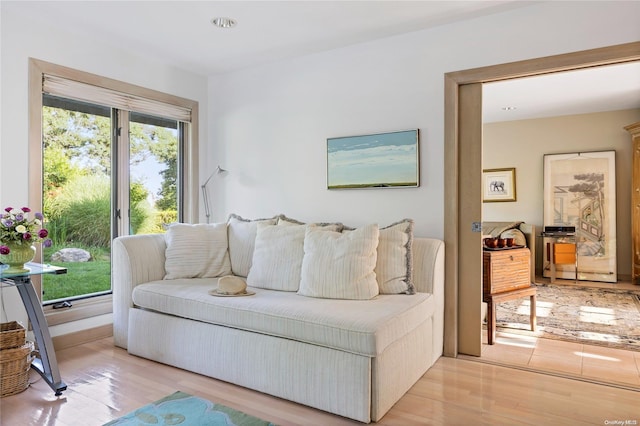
x=63 y=87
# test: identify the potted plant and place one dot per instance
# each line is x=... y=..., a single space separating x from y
x=18 y=234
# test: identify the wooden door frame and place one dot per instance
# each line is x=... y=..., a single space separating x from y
x=463 y=106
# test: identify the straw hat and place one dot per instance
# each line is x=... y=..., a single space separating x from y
x=231 y=286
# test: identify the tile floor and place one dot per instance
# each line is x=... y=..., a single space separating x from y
x=577 y=360
x=588 y=362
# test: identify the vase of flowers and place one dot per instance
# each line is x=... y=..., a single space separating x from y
x=18 y=234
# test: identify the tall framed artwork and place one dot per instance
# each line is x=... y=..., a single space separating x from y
x=381 y=160
x=580 y=191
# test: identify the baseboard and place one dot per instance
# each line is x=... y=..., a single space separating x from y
x=624 y=277
x=84 y=336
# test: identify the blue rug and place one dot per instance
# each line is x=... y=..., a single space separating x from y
x=186 y=410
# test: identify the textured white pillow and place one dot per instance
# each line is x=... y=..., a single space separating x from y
x=340 y=266
x=196 y=251
x=242 y=238
x=394 y=267
x=277 y=257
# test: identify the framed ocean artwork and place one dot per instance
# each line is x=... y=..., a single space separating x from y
x=381 y=160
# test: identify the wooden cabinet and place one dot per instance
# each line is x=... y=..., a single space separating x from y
x=634 y=129
x=505 y=270
x=505 y=277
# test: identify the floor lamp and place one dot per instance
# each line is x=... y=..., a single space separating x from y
x=205 y=194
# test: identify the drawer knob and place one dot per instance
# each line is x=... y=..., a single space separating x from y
x=511 y=257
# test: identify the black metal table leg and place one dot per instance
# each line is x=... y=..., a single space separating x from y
x=45 y=363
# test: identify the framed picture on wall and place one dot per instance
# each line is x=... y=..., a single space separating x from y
x=580 y=191
x=382 y=160
x=499 y=185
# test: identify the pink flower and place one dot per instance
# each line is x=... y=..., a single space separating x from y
x=8 y=209
x=4 y=250
x=26 y=236
x=43 y=233
x=26 y=209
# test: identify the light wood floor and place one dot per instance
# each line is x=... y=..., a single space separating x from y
x=106 y=382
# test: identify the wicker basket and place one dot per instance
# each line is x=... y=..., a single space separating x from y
x=15 y=364
x=12 y=335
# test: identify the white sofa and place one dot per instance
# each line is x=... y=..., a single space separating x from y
x=353 y=358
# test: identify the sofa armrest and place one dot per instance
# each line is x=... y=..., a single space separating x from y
x=428 y=265
x=428 y=277
x=529 y=232
x=136 y=259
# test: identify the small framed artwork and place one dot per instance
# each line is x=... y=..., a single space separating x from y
x=382 y=160
x=498 y=185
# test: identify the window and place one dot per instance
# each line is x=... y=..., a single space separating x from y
x=115 y=159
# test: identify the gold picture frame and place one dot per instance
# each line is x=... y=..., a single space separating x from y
x=499 y=185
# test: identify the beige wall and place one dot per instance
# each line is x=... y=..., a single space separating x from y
x=522 y=144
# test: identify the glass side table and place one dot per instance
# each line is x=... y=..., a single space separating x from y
x=45 y=362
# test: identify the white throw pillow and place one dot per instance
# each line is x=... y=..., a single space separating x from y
x=394 y=267
x=242 y=238
x=340 y=265
x=196 y=251
x=277 y=257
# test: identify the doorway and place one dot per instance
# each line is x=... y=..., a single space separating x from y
x=463 y=204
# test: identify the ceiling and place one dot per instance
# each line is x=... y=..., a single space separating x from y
x=180 y=33
x=598 y=89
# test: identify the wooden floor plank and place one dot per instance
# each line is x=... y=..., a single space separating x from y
x=106 y=382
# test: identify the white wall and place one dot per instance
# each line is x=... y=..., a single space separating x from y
x=269 y=124
x=22 y=38
x=523 y=143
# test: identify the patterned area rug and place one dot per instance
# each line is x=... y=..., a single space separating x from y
x=606 y=317
x=185 y=410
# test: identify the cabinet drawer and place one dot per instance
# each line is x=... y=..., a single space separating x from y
x=565 y=248
x=505 y=270
x=564 y=253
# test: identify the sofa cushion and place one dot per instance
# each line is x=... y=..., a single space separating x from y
x=340 y=265
x=394 y=265
x=242 y=236
x=518 y=236
x=196 y=251
x=505 y=230
x=360 y=327
x=277 y=257
x=278 y=254
x=496 y=228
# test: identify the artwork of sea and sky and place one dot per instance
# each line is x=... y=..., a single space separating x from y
x=384 y=160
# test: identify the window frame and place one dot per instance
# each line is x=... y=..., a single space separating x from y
x=86 y=308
